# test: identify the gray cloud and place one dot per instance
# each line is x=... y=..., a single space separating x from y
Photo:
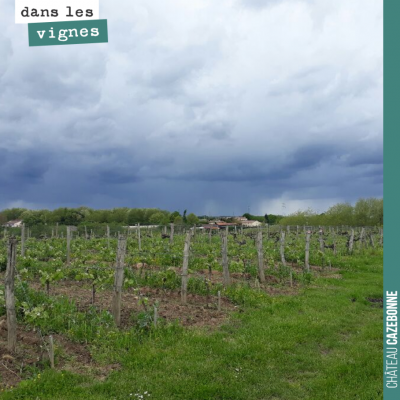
x=205 y=106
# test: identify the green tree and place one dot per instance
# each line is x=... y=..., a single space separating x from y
x=192 y=219
x=178 y=220
x=119 y=215
x=174 y=215
x=3 y=219
x=254 y=217
x=136 y=216
x=67 y=216
x=32 y=218
x=157 y=218
x=13 y=213
x=368 y=212
x=308 y=217
x=340 y=214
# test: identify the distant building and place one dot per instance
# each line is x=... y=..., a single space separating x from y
x=210 y=227
x=251 y=224
x=243 y=221
x=222 y=224
x=17 y=223
x=132 y=227
x=218 y=225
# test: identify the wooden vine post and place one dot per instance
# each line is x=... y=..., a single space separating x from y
x=307 y=255
x=362 y=238
x=119 y=280
x=70 y=229
x=155 y=317
x=364 y=233
x=225 y=264
x=282 y=248
x=9 y=295
x=351 y=241
x=321 y=241
x=23 y=235
x=108 y=236
x=51 y=351
x=371 y=240
x=68 y=245
x=185 y=268
x=171 y=234
x=260 y=257
x=334 y=243
x=139 y=238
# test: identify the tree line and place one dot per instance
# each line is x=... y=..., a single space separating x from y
x=365 y=212
x=85 y=215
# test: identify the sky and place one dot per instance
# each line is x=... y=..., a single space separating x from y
x=217 y=107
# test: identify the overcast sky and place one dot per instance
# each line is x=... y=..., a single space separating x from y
x=218 y=107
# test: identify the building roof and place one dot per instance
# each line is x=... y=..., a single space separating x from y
x=225 y=223
x=251 y=223
x=210 y=226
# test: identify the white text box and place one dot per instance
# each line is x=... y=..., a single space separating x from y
x=31 y=11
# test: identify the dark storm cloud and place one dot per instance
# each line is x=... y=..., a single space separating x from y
x=367 y=156
x=184 y=108
x=22 y=168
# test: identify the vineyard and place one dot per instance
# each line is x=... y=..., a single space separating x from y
x=75 y=294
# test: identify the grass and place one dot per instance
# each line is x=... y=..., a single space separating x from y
x=325 y=343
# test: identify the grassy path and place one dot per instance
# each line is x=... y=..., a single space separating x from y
x=325 y=343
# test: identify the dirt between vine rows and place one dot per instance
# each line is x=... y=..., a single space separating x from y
x=200 y=311
x=31 y=354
